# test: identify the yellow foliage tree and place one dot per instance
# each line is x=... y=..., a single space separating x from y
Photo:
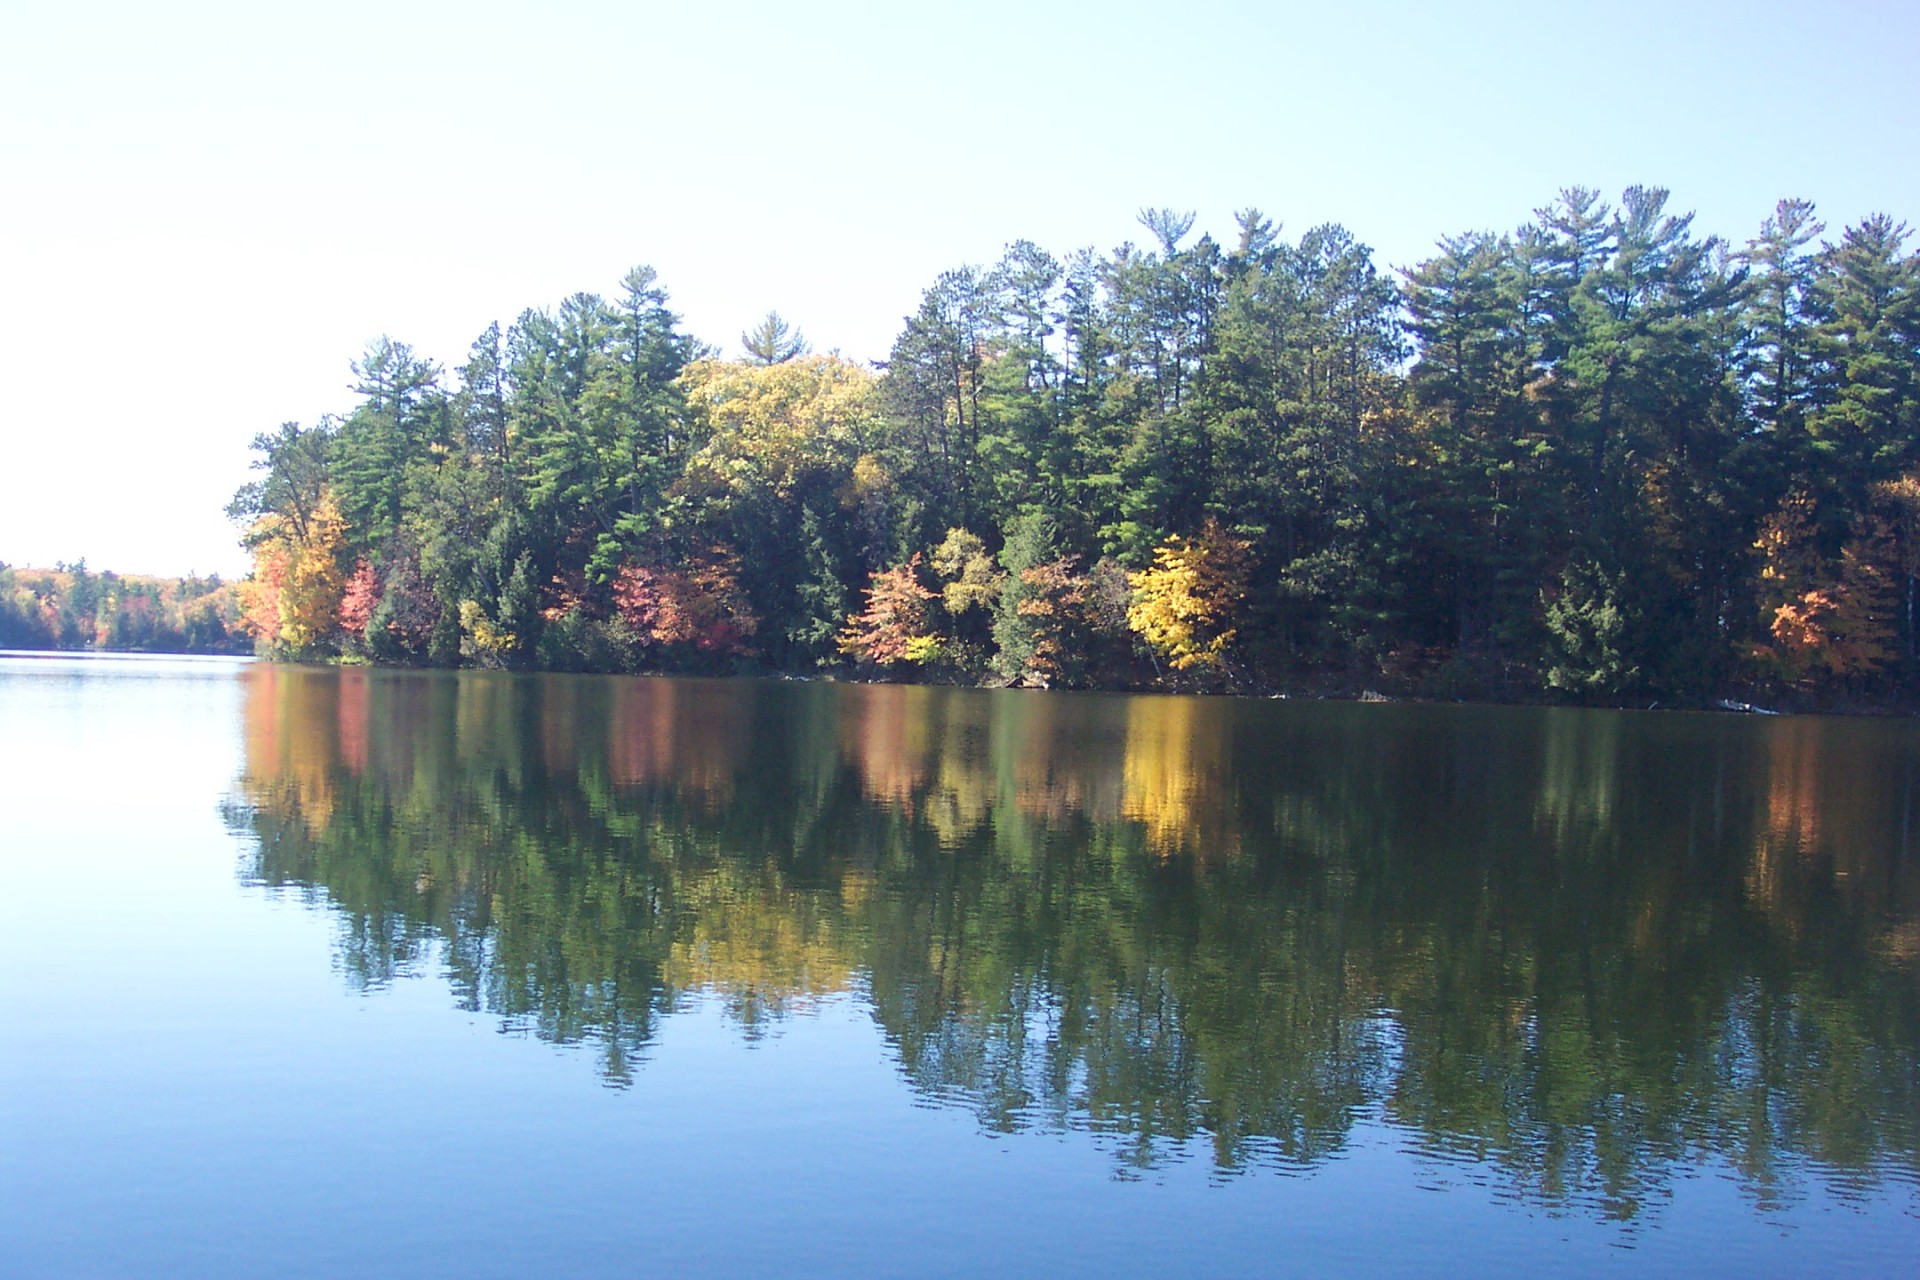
x=765 y=424
x=1788 y=561
x=481 y=638
x=315 y=583
x=1183 y=606
x=292 y=602
x=970 y=579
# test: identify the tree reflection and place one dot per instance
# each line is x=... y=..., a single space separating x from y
x=1586 y=948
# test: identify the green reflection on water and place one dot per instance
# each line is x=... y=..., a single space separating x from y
x=1590 y=949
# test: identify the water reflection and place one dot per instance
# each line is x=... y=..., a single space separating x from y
x=1592 y=950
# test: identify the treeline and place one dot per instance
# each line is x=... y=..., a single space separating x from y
x=1599 y=457
x=70 y=607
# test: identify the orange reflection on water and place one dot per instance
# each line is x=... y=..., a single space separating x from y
x=1837 y=820
x=355 y=694
x=684 y=733
x=1794 y=790
x=955 y=762
x=292 y=742
x=884 y=734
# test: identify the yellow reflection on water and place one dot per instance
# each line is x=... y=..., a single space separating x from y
x=1177 y=778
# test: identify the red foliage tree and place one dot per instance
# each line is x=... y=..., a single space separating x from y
x=357 y=602
x=698 y=606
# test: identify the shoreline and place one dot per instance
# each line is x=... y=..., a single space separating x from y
x=1775 y=706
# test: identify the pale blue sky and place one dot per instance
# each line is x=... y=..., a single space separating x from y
x=209 y=209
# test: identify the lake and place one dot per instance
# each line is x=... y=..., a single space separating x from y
x=322 y=972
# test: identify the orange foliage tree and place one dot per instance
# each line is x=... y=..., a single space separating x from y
x=700 y=606
x=1825 y=620
x=260 y=594
x=894 y=627
x=1058 y=617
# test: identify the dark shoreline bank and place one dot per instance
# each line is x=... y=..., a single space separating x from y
x=1753 y=703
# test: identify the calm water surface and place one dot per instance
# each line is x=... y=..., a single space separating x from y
x=315 y=972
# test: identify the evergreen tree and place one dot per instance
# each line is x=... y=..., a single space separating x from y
x=773 y=341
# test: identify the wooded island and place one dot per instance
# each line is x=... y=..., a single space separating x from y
x=1600 y=457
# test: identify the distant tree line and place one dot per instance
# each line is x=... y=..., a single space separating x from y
x=1600 y=457
x=70 y=607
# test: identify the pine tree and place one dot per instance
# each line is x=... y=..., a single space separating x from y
x=773 y=341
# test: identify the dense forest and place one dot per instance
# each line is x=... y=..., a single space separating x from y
x=70 y=607
x=1602 y=457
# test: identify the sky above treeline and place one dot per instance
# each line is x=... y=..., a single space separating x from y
x=210 y=209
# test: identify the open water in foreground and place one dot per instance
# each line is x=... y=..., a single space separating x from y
x=339 y=972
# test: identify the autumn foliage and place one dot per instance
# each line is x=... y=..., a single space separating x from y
x=260 y=594
x=1057 y=611
x=293 y=602
x=1600 y=459
x=358 y=601
x=699 y=606
x=895 y=626
x=1826 y=620
x=1185 y=604
x=71 y=607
